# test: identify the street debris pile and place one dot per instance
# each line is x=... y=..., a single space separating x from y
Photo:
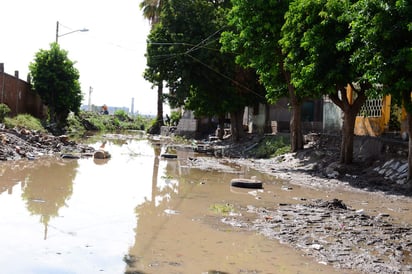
x=22 y=143
x=335 y=234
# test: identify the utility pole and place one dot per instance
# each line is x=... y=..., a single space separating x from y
x=57 y=31
x=90 y=98
x=60 y=35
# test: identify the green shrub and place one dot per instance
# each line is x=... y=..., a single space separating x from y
x=74 y=126
x=24 y=121
x=115 y=123
x=282 y=150
x=121 y=115
x=98 y=123
x=271 y=146
x=175 y=117
x=4 y=111
x=119 y=121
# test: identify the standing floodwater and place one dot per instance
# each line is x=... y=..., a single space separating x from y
x=134 y=213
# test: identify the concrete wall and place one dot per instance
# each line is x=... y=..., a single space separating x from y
x=280 y=111
x=374 y=125
x=312 y=116
x=18 y=95
x=332 y=117
x=188 y=125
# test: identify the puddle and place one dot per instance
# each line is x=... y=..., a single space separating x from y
x=140 y=213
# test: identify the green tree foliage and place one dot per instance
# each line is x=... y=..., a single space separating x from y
x=151 y=10
x=253 y=37
x=175 y=117
x=256 y=30
x=56 y=80
x=4 y=111
x=184 y=50
x=312 y=39
x=383 y=30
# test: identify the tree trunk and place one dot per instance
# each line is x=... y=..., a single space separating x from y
x=350 y=110
x=236 y=125
x=296 y=136
x=52 y=114
x=407 y=104
x=159 y=117
x=155 y=128
x=348 y=129
x=268 y=126
x=221 y=127
x=409 y=122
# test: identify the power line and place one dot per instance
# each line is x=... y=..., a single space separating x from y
x=226 y=77
x=194 y=46
x=200 y=45
x=204 y=40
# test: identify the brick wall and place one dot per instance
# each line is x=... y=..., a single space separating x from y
x=19 y=96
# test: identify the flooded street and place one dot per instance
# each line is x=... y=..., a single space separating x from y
x=140 y=213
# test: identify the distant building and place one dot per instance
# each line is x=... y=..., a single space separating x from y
x=98 y=108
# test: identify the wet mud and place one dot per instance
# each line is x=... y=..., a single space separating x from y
x=334 y=233
x=331 y=220
x=181 y=215
x=19 y=144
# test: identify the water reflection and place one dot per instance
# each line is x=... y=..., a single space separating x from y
x=170 y=234
x=134 y=213
x=46 y=189
x=73 y=216
x=45 y=185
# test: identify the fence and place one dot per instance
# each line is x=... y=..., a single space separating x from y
x=19 y=96
x=373 y=118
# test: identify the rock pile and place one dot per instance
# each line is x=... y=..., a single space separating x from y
x=394 y=170
x=335 y=234
x=21 y=143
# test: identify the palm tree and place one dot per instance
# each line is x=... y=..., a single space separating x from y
x=151 y=11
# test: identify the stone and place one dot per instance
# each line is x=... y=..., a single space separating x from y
x=394 y=165
x=388 y=163
x=64 y=138
x=101 y=154
x=403 y=168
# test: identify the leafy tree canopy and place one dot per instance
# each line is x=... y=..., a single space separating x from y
x=383 y=30
x=309 y=41
x=184 y=50
x=253 y=38
x=56 y=80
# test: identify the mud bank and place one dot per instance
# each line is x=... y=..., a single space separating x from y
x=335 y=234
x=331 y=231
x=21 y=143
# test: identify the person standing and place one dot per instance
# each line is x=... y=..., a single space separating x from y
x=105 y=109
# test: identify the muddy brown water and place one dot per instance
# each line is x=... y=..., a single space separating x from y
x=140 y=213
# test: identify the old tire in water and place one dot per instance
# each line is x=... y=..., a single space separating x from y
x=246 y=183
x=169 y=156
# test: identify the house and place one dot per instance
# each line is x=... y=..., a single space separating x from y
x=317 y=115
x=275 y=118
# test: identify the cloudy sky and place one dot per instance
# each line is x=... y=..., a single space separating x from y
x=109 y=57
